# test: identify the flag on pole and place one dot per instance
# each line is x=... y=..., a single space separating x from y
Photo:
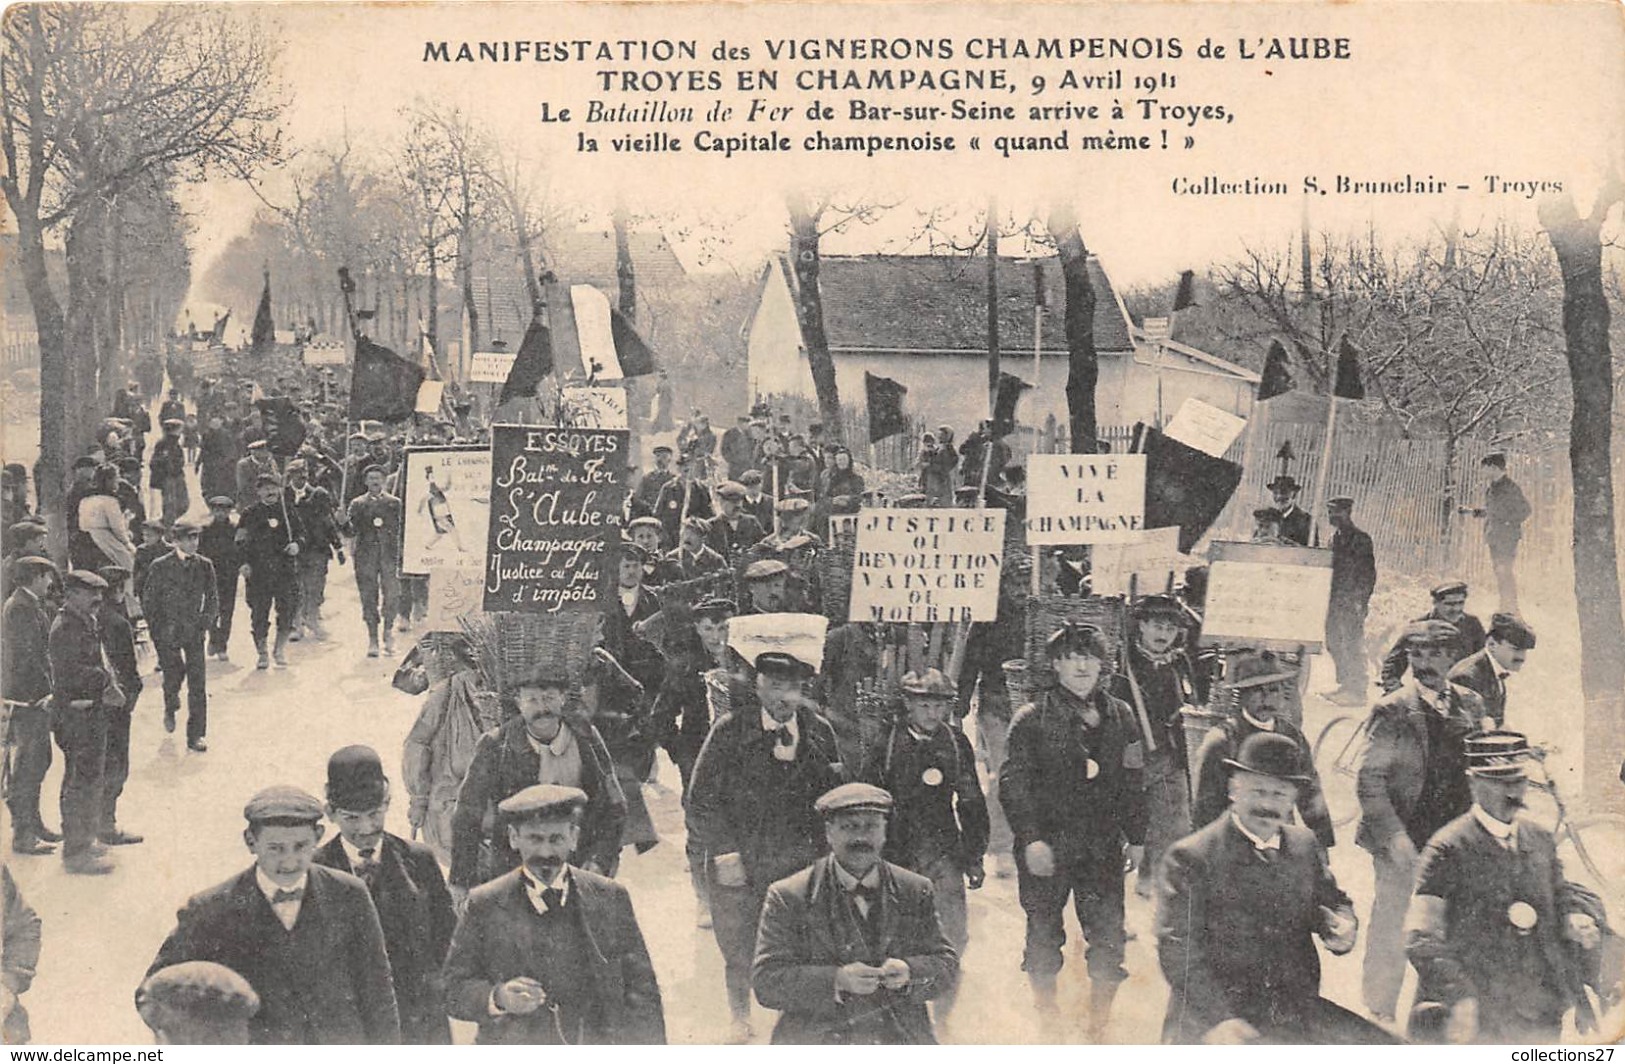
x=637 y=358
x=1185 y=296
x=431 y=361
x=884 y=398
x=264 y=334
x=218 y=336
x=531 y=365
x=1277 y=373
x=1183 y=486
x=1349 y=385
x=384 y=386
x=1009 y=394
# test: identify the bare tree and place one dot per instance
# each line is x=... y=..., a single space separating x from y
x=1083 y=363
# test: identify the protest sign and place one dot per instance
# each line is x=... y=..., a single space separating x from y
x=1085 y=498
x=1205 y=427
x=927 y=565
x=491 y=367
x=556 y=497
x=801 y=635
x=454 y=593
x=328 y=354
x=1148 y=562
x=1267 y=596
x=446 y=493
x=595 y=408
x=429 y=395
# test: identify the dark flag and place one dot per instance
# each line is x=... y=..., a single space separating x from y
x=1183 y=486
x=384 y=386
x=533 y=363
x=636 y=357
x=264 y=334
x=219 y=334
x=1348 y=372
x=1277 y=373
x=284 y=428
x=1186 y=294
x=1004 y=403
x=884 y=397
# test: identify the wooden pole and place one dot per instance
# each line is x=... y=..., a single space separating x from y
x=1321 y=493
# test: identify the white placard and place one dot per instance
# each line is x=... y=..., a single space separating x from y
x=1085 y=498
x=1205 y=427
x=454 y=593
x=491 y=367
x=1267 y=596
x=324 y=354
x=1150 y=559
x=801 y=635
x=429 y=393
x=924 y=566
x=596 y=408
x=446 y=492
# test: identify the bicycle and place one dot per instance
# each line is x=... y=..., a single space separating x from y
x=1337 y=753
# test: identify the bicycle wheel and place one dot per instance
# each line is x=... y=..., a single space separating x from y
x=1592 y=849
x=1337 y=752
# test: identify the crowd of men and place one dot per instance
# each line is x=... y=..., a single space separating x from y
x=829 y=851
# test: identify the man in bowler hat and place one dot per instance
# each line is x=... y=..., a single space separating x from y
x=414 y=906
x=1295 y=521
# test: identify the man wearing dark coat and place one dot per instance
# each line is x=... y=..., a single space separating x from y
x=25 y=680
x=168 y=471
x=217 y=459
x=540 y=741
x=1504 y=511
x=84 y=692
x=1240 y=903
x=850 y=949
x=268 y=535
x=218 y=542
x=1295 y=521
x=1506 y=648
x=118 y=639
x=1449 y=606
x=1411 y=783
x=551 y=954
x=1494 y=929
x=750 y=806
x=180 y=598
x=414 y=906
x=306 y=937
x=1354 y=578
x=681 y=499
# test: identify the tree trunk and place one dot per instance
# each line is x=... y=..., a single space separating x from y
x=1083 y=365
x=992 y=307
x=1578 y=246
x=433 y=296
x=625 y=276
x=465 y=267
x=86 y=247
x=50 y=327
x=810 y=313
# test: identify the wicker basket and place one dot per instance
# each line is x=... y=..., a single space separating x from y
x=835 y=564
x=508 y=645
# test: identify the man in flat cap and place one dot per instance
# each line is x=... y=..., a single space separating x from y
x=197 y=1003
x=656 y=479
x=756 y=502
x=1158 y=684
x=1506 y=648
x=1263 y=685
x=268 y=537
x=797 y=548
x=686 y=496
x=181 y=598
x=25 y=679
x=1295 y=520
x=256 y=463
x=306 y=937
x=376 y=518
x=646 y=533
x=1073 y=788
x=940 y=825
x=217 y=541
x=850 y=949
x=84 y=693
x=549 y=953
x=1411 y=783
x=1240 y=903
x=1498 y=935
x=82 y=485
x=168 y=471
x=540 y=740
x=691 y=558
x=414 y=906
x=154 y=545
x=118 y=639
x=314 y=509
x=1354 y=578
x=217 y=458
x=1450 y=606
x=766 y=585
x=750 y=806
x=1504 y=512
x=28 y=538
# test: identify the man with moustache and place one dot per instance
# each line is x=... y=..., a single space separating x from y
x=750 y=806
x=414 y=907
x=1240 y=903
x=1495 y=930
x=118 y=639
x=306 y=938
x=1506 y=648
x=691 y=558
x=376 y=519
x=766 y=584
x=539 y=742
x=1449 y=606
x=1263 y=687
x=549 y=953
x=850 y=949
x=1294 y=522
x=798 y=549
x=1411 y=783
x=686 y=496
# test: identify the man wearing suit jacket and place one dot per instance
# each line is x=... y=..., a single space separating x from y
x=414 y=906
x=1495 y=930
x=1295 y=520
x=181 y=598
x=1240 y=903
x=1449 y=606
x=1412 y=782
x=1506 y=648
x=306 y=938
x=850 y=949
x=551 y=954
x=25 y=680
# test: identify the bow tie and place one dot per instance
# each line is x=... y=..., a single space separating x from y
x=287 y=895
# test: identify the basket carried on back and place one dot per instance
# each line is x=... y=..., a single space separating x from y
x=1046 y=613
x=835 y=563
x=677 y=602
x=509 y=645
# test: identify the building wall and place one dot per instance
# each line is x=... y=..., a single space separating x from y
x=773 y=350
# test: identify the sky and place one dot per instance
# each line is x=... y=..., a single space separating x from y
x=1460 y=93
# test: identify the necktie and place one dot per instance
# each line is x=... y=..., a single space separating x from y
x=369 y=864
x=783 y=737
x=287 y=895
x=553 y=898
